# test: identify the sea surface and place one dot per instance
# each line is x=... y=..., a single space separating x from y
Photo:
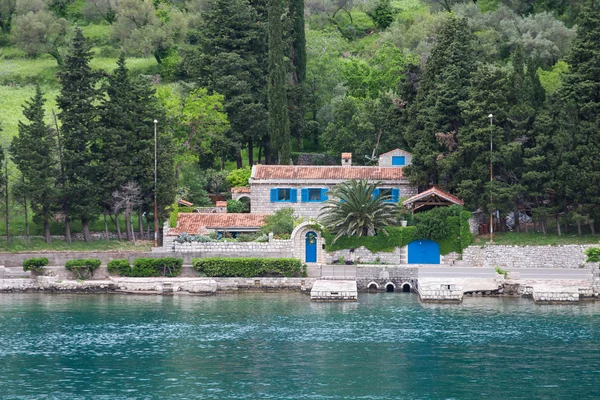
x=283 y=346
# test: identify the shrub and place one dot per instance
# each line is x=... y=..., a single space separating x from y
x=236 y=206
x=280 y=223
x=250 y=267
x=167 y=266
x=593 y=254
x=239 y=177
x=35 y=264
x=120 y=267
x=83 y=268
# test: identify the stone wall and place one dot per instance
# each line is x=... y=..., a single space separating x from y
x=261 y=196
x=364 y=255
x=274 y=249
x=385 y=160
x=568 y=256
x=382 y=275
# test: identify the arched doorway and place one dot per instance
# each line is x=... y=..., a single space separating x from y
x=406 y=288
x=311 y=247
x=423 y=251
x=246 y=201
x=390 y=287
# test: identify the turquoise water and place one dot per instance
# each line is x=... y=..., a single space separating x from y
x=282 y=346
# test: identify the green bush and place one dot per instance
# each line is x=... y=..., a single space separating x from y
x=166 y=266
x=35 y=264
x=83 y=268
x=396 y=237
x=250 y=267
x=593 y=254
x=239 y=177
x=120 y=267
x=280 y=223
x=236 y=206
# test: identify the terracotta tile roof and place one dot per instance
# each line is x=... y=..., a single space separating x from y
x=196 y=223
x=435 y=191
x=221 y=204
x=391 y=151
x=346 y=155
x=241 y=189
x=291 y=172
x=185 y=203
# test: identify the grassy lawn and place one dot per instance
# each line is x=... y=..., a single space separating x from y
x=20 y=245
x=537 y=239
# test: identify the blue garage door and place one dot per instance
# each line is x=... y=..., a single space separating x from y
x=423 y=252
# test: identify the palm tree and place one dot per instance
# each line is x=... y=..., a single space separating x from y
x=353 y=210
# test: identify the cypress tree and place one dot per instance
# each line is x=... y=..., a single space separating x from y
x=78 y=114
x=436 y=109
x=32 y=150
x=279 y=123
x=126 y=135
x=297 y=91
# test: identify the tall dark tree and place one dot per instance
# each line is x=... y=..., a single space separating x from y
x=231 y=59
x=436 y=109
x=279 y=123
x=79 y=116
x=32 y=150
x=298 y=89
x=125 y=141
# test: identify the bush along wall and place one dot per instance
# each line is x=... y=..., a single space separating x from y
x=147 y=267
x=83 y=268
x=35 y=264
x=250 y=267
x=448 y=226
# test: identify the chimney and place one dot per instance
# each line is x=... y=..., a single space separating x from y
x=346 y=159
x=221 y=207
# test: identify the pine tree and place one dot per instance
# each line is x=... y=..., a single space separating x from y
x=436 y=109
x=279 y=123
x=78 y=114
x=32 y=150
x=4 y=188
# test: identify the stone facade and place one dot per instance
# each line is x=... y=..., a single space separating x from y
x=385 y=160
x=274 y=249
x=568 y=256
x=380 y=276
x=261 y=192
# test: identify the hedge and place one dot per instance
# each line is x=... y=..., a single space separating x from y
x=83 y=267
x=35 y=264
x=448 y=226
x=147 y=267
x=250 y=267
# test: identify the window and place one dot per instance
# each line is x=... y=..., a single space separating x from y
x=284 y=195
x=393 y=193
x=399 y=160
x=314 y=195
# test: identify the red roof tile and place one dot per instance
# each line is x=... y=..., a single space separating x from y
x=196 y=223
x=435 y=191
x=346 y=155
x=291 y=172
x=221 y=204
x=241 y=189
x=185 y=203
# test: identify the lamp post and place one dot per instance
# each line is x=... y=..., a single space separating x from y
x=155 y=184
x=491 y=117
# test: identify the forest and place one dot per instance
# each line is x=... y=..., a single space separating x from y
x=463 y=85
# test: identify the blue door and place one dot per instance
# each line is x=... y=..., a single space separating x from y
x=423 y=252
x=311 y=247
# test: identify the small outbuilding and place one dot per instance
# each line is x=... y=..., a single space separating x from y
x=431 y=198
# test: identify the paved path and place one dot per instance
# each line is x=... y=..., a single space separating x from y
x=456 y=272
x=552 y=273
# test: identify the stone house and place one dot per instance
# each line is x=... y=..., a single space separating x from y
x=305 y=187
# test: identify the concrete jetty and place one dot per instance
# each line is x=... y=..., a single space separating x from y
x=334 y=290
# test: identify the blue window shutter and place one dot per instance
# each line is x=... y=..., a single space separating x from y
x=376 y=193
x=294 y=195
x=273 y=195
x=324 y=194
x=398 y=160
x=395 y=195
x=304 y=195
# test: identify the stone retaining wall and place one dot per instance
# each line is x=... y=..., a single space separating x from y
x=274 y=249
x=567 y=256
x=158 y=285
x=382 y=275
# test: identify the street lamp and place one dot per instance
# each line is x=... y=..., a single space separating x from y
x=491 y=117
x=155 y=184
